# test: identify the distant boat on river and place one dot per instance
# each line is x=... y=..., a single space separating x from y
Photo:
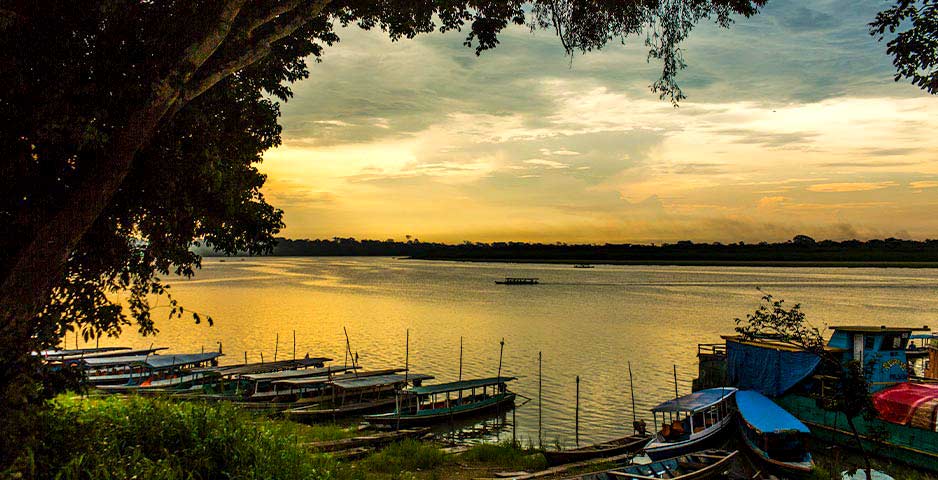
x=584 y=265
x=518 y=281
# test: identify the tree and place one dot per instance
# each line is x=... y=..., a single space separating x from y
x=129 y=129
x=851 y=392
x=914 y=50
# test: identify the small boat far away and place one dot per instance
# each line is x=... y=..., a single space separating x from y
x=583 y=265
x=775 y=436
x=691 y=422
x=695 y=466
x=517 y=281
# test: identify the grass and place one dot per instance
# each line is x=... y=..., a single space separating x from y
x=506 y=454
x=405 y=456
x=114 y=437
x=147 y=438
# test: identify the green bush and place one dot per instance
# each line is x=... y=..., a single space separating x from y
x=148 y=438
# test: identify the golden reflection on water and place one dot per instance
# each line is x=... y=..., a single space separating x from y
x=587 y=322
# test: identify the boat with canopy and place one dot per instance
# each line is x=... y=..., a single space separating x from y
x=774 y=436
x=158 y=372
x=356 y=394
x=445 y=401
x=691 y=422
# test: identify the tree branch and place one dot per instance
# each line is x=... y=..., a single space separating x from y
x=283 y=25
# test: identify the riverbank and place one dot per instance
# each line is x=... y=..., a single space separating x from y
x=690 y=263
x=151 y=438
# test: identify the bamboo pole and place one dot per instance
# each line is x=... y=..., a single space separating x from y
x=676 y=395
x=501 y=351
x=540 y=404
x=577 y=411
x=632 y=394
x=460 y=359
x=407 y=357
x=276 y=346
x=294 y=345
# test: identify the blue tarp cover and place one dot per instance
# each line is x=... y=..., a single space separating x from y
x=765 y=415
x=769 y=370
x=695 y=401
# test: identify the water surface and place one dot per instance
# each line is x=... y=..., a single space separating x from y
x=586 y=322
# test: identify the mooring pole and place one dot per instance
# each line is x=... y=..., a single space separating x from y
x=276 y=346
x=294 y=345
x=460 y=359
x=262 y=357
x=500 y=352
x=675 y=382
x=540 y=404
x=632 y=394
x=245 y=357
x=577 y=410
x=407 y=357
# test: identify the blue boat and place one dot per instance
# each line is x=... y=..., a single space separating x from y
x=692 y=422
x=773 y=435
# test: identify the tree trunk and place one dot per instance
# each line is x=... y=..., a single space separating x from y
x=859 y=442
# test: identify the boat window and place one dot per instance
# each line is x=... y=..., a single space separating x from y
x=894 y=342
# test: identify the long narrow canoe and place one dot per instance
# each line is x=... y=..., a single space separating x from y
x=618 y=446
x=693 y=466
x=374 y=440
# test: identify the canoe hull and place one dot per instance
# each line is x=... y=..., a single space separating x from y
x=630 y=444
x=504 y=401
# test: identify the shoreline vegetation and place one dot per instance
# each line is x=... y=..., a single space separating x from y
x=800 y=251
x=156 y=438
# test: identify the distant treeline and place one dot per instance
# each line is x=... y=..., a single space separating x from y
x=799 y=249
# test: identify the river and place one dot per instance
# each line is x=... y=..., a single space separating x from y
x=586 y=322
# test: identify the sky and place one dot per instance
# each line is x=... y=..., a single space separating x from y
x=793 y=125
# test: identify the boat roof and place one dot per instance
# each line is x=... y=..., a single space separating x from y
x=879 y=329
x=103 y=362
x=264 y=367
x=772 y=343
x=181 y=359
x=696 y=401
x=377 y=380
x=110 y=354
x=765 y=415
x=460 y=385
x=294 y=373
x=303 y=381
x=78 y=351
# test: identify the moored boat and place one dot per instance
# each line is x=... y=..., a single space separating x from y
x=518 y=281
x=774 y=436
x=618 y=446
x=699 y=465
x=356 y=394
x=691 y=422
x=445 y=401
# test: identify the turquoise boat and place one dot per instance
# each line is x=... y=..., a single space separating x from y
x=905 y=430
x=446 y=401
x=773 y=435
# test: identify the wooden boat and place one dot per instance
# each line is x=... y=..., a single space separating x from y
x=583 y=265
x=691 y=422
x=517 y=281
x=446 y=401
x=773 y=435
x=618 y=446
x=354 y=395
x=694 y=466
x=162 y=372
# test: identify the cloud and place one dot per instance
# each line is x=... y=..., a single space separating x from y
x=546 y=163
x=850 y=186
x=923 y=184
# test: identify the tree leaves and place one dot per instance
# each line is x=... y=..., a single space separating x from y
x=914 y=50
